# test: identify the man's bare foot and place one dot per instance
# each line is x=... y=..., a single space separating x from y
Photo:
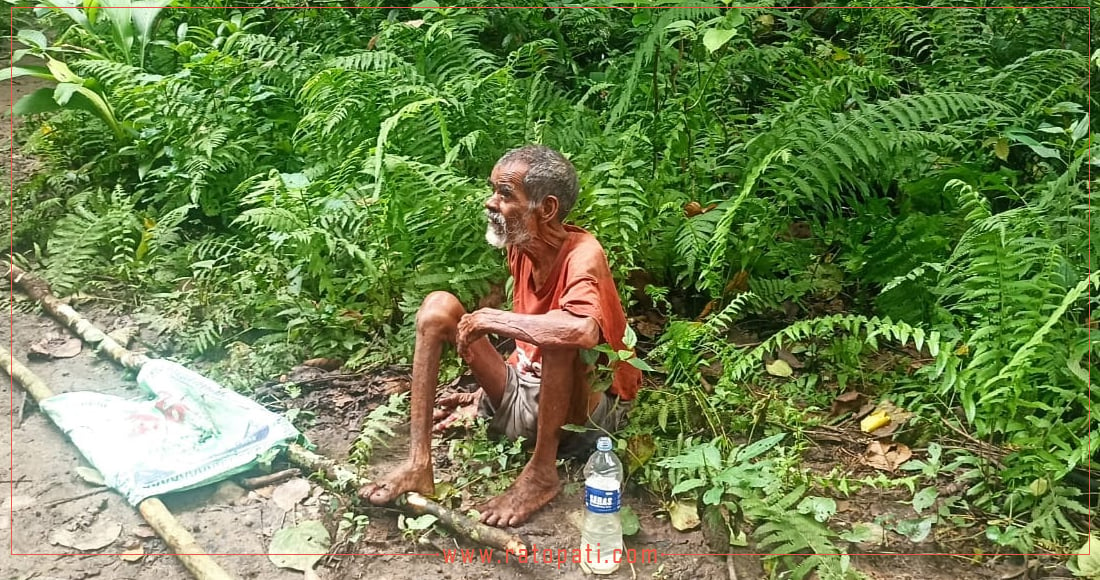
x=531 y=490
x=406 y=477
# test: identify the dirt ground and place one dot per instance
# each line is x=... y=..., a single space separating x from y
x=226 y=519
x=46 y=495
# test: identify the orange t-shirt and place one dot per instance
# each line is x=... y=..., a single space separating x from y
x=579 y=282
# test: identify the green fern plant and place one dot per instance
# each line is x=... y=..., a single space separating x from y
x=99 y=229
x=378 y=426
x=793 y=536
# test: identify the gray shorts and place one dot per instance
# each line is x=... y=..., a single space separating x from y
x=518 y=416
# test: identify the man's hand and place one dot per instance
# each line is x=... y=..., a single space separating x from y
x=456 y=409
x=471 y=327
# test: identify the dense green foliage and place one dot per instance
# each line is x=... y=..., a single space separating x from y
x=846 y=180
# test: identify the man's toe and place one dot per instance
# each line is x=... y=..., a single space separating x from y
x=367 y=490
x=381 y=495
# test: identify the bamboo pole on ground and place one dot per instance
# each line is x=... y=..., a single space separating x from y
x=411 y=502
x=414 y=503
x=190 y=554
x=37 y=289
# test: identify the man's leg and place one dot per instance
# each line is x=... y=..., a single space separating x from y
x=436 y=323
x=538 y=483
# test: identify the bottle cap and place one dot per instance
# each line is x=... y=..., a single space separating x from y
x=603 y=444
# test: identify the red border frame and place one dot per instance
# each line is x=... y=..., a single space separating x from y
x=11 y=234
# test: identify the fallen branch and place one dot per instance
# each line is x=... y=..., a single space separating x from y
x=37 y=289
x=412 y=503
x=269 y=479
x=193 y=557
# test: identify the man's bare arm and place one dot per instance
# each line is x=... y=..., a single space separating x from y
x=555 y=329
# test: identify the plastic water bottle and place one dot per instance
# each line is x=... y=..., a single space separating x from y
x=603 y=530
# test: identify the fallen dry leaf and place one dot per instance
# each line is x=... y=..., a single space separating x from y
x=684 y=515
x=144 y=532
x=133 y=555
x=340 y=399
x=261 y=493
x=886 y=456
x=647 y=329
x=846 y=402
x=55 y=347
x=287 y=495
x=739 y=283
x=789 y=358
x=90 y=476
x=328 y=364
x=779 y=368
x=397 y=386
x=99 y=535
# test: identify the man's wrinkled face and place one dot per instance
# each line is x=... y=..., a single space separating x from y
x=508 y=208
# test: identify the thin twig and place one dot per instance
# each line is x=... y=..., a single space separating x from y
x=269 y=479
x=22 y=405
x=994 y=454
x=730 y=568
x=75 y=497
x=323 y=379
x=829 y=433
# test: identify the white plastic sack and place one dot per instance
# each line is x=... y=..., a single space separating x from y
x=193 y=432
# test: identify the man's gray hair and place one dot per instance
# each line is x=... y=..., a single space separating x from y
x=548 y=173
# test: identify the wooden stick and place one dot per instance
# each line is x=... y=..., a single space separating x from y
x=37 y=289
x=22 y=407
x=193 y=557
x=58 y=502
x=269 y=479
x=466 y=526
x=412 y=503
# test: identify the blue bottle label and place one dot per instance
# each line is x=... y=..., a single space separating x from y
x=601 y=501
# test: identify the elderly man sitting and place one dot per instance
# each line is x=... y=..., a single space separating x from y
x=564 y=301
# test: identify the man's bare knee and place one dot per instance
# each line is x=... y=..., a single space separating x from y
x=439 y=314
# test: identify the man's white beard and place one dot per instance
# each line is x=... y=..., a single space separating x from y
x=500 y=235
x=496 y=238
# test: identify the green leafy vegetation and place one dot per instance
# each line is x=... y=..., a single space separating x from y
x=895 y=197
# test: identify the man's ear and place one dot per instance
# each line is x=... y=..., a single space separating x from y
x=548 y=210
